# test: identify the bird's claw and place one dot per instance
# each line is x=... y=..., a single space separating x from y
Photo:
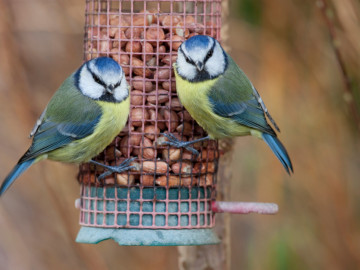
x=173 y=141
x=124 y=166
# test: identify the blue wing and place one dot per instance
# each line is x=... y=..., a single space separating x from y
x=248 y=113
x=69 y=116
x=234 y=97
x=51 y=135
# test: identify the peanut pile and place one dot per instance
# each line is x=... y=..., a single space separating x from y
x=145 y=45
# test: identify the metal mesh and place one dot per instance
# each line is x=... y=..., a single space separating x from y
x=171 y=188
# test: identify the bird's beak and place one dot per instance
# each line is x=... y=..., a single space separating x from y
x=199 y=65
x=110 y=89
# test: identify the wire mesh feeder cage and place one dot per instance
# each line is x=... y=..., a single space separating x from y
x=167 y=199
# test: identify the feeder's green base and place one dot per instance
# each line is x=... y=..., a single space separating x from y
x=147 y=237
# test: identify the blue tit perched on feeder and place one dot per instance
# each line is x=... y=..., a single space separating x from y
x=85 y=114
x=219 y=96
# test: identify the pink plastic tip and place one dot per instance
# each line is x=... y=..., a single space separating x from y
x=244 y=207
x=77 y=203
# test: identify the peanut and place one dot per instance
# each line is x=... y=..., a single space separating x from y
x=158 y=120
x=138 y=67
x=169 y=20
x=119 y=56
x=187 y=156
x=162 y=74
x=109 y=180
x=148 y=51
x=170 y=87
x=116 y=20
x=171 y=155
x=136 y=97
x=158 y=167
x=125 y=148
x=111 y=153
x=119 y=39
x=100 y=19
x=182 y=167
x=154 y=35
x=135 y=139
x=172 y=120
x=174 y=104
x=139 y=20
x=124 y=179
x=151 y=63
x=150 y=16
x=206 y=180
x=88 y=178
x=147 y=180
x=147 y=149
x=189 y=19
x=204 y=167
x=181 y=31
x=137 y=115
x=133 y=46
x=185 y=128
x=162 y=49
x=169 y=60
x=164 y=181
x=133 y=33
x=208 y=154
x=210 y=29
x=150 y=131
x=139 y=84
x=161 y=96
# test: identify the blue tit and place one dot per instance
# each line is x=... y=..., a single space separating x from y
x=84 y=115
x=219 y=96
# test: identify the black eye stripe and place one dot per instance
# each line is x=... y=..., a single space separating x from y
x=117 y=85
x=187 y=59
x=210 y=52
x=97 y=79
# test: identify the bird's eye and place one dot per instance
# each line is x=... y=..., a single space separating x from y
x=117 y=85
x=209 y=54
x=96 y=79
x=187 y=60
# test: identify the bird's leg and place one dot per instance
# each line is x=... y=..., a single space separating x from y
x=173 y=141
x=124 y=166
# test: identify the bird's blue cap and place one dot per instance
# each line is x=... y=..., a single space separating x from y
x=197 y=42
x=106 y=64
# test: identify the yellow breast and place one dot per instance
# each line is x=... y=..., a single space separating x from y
x=194 y=97
x=112 y=121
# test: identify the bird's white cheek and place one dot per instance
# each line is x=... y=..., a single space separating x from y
x=91 y=90
x=88 y=86
x=122 y=91
x=216 y=64
x=214 y=68
x=185 y=69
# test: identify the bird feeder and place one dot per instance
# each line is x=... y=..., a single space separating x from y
x=169 y=198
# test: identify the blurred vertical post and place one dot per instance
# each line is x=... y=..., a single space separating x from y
x=350 y=88
x=215 y=257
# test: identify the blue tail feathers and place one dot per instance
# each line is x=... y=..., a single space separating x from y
x=279 y=150
x=15 y=173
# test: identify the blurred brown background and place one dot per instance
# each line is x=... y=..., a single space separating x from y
x=285 y=49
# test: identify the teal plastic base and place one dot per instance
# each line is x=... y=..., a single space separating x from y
x=147 y=237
